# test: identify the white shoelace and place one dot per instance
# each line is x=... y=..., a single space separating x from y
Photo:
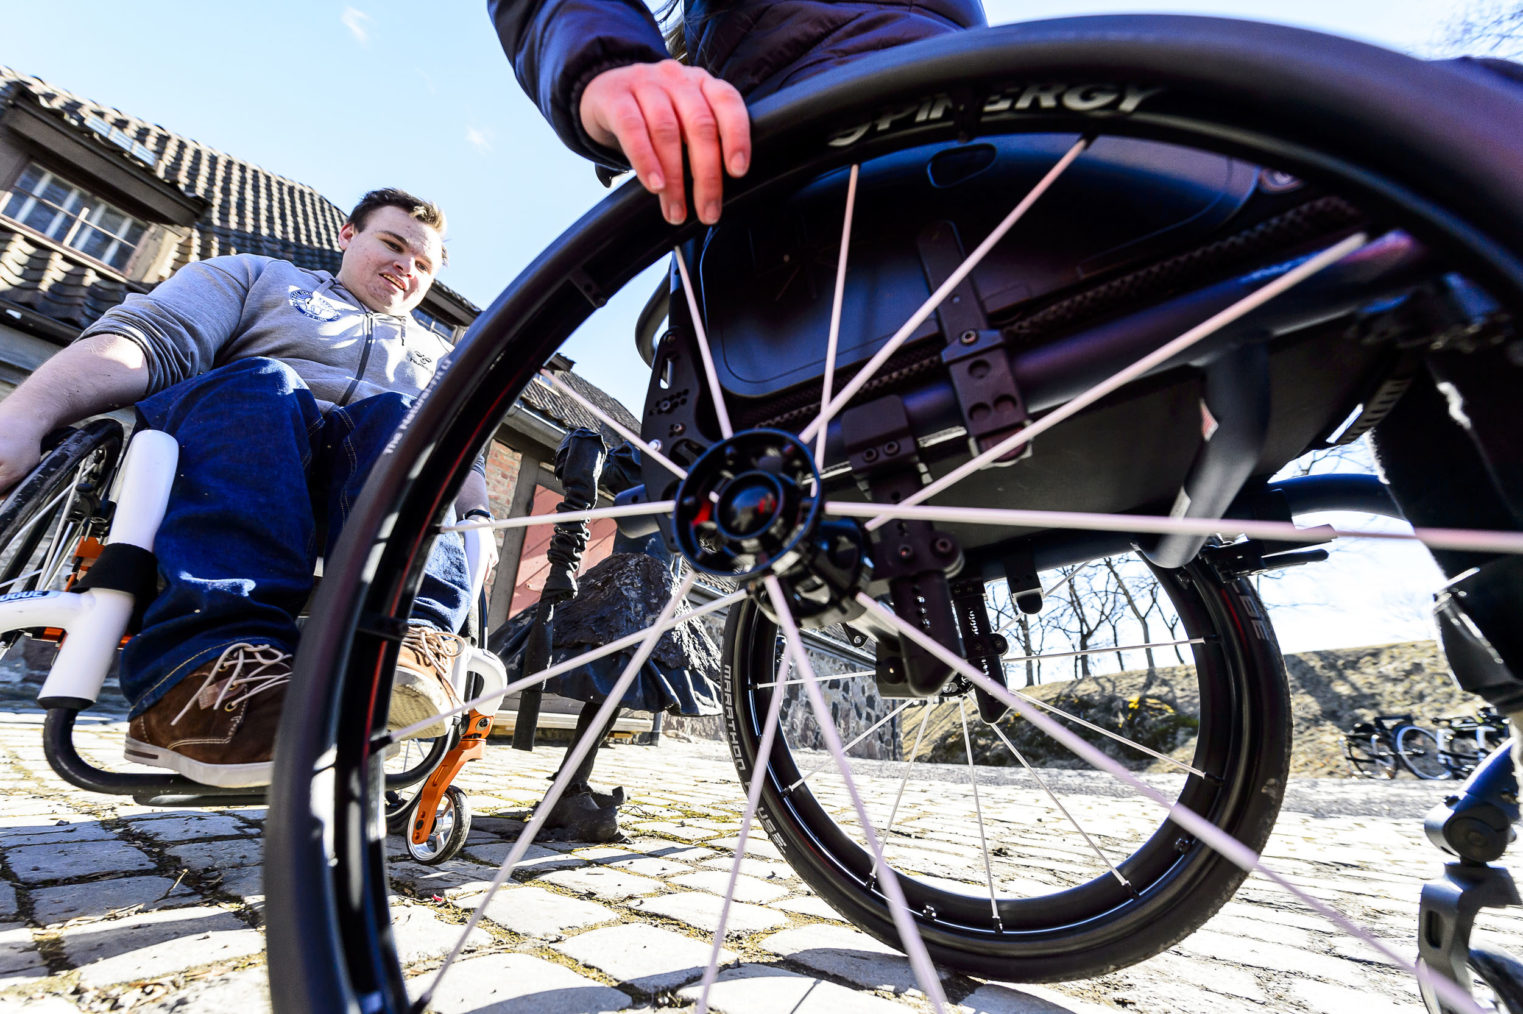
x=435 y=647
x=253 y=668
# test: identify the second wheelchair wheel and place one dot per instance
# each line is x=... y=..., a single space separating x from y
x=1419 y=752
x=46 y=515
x=1205 y=719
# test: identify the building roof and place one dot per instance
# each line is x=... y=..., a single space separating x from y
x=48 y=288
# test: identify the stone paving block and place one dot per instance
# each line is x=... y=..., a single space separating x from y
x=603 y=883
x=99 y=898
x=757 y=847
x=1322 y=996
x=243 y=882
x=810 y=905
x=662 y=848
x=1222 y=978
x=20 y=960
x=846 y=954
x=246 y=991
x=537 y=859
x=700 y=910
x=1024 y=999
x=37 y=864
x=422 y=935
x=646 y=957
x=449 y=880
x=646 y=865
x=183 y=827
x=762 y=869
x=36 y=1005
x=518 y=984
x=747 y=888
x=1259 y=954
x=675 y=829
x=151 y=944
x=8 y=909
x=58 y=835
x=758 y=989
x=219 y=855
x=538 y=913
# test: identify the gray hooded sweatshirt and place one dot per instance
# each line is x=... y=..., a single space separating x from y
x=217 y=311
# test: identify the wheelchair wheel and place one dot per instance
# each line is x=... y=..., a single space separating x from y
x=1375 y=128
x=61 y=502
x=1461 y=754
x=1043 y=873
x=1419 y=752
x=1370 y=757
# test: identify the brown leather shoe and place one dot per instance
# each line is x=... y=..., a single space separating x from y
x=217 y=725
x=421 y=688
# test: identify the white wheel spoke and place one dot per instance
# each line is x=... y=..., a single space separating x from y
x=1059 y=803
x=595 y=514
x=553 y=382
x=1223 y=843
x=1043 y=656
x=893 y=891
x=866 y=373
x=833 y=339
x=859 y=738
x=577 y=753
x=978 y=810
x=904 y=781
x=753 y=798
x=577 y=662
x=838 y=677
x=1472 y=540
x=1158 y=357
x=715 y=392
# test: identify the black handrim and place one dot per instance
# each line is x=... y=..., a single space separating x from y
x=1243 y=741
x=1380 y=123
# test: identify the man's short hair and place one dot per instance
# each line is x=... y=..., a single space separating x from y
x=426 y=212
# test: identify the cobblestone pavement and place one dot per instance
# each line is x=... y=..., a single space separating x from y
x=106 y=905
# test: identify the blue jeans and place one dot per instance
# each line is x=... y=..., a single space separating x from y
x=265 y=481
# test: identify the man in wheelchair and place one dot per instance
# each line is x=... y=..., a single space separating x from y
x=282 y=386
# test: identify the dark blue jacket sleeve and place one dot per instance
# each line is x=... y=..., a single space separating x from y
x=558 y=46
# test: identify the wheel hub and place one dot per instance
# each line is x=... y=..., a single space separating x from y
x=750 y=508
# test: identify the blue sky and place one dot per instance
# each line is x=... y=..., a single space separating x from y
x=349 y=96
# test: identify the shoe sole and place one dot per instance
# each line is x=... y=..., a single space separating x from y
x=225 y=776
x=411 y=703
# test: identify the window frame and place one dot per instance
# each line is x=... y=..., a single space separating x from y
x=82 y=210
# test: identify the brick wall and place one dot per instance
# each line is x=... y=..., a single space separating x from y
x=502 y=476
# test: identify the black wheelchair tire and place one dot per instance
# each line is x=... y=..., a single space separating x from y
x=1415 y=140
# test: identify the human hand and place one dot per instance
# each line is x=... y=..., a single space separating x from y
x=649 y=110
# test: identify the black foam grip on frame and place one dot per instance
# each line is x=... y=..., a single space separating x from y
x=128 y=568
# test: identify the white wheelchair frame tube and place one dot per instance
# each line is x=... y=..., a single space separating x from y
x=95 y=620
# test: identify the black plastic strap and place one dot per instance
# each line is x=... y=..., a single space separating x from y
x=128 y=568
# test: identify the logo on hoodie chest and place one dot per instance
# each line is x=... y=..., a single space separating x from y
x=310 y=304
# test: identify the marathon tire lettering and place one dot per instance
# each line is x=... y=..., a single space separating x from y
x=1090 y=97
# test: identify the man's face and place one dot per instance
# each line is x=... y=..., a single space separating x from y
x=390 y=264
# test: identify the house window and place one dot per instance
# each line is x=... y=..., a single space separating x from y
x=73 y=217
x=435 y=325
